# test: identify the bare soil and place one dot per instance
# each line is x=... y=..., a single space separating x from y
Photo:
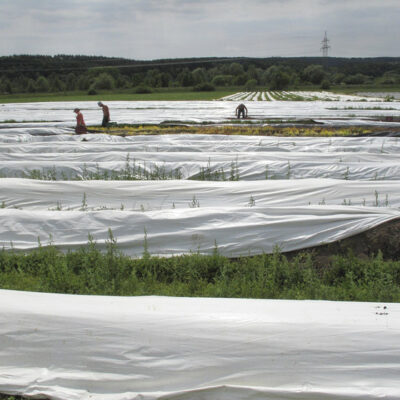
x=384 y=238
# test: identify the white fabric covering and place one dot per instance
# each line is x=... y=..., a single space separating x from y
x=118 y=348
x=253 y=157
x=60 y=114
x=238 y=231
x=251 y=215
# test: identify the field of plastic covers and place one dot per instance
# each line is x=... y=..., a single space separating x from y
x=333 y=110
x=185 y=193
x=245 y=194
x=277 y=95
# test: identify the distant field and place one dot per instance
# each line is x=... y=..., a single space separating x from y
x=178 y=94
x=82 y=96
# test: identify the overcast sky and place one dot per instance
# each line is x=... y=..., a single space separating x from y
x=152 y=29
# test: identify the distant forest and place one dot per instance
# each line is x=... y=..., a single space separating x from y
x=62 y=73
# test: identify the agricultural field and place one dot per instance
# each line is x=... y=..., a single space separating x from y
x=301 y=96
x=191 y=192
x=195 y=247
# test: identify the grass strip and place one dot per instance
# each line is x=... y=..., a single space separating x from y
x=271 y=276
x=299 y=128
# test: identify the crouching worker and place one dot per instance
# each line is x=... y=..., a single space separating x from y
x=106 y=114
x=80 y=123
x=241 y=109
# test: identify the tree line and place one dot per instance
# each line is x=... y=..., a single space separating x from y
x=64 y=73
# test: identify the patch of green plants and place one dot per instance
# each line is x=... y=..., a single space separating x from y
x=167 y=94
x=9 y=397
x=131 y=171
x=274 y=276
x=361 y=108
x=305 y=127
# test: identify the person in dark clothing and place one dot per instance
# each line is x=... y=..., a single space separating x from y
x=241 y=109
x=106 y=114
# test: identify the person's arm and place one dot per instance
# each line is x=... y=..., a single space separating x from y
x=246 y=111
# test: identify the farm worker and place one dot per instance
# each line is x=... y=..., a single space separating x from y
x=80 y=123
x=241 y=109
x=106 y=114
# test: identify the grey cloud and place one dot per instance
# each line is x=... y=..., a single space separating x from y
x=183 y=28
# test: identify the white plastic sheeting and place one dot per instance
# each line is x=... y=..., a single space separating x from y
x=253 y=158
x=25 y=142
x=306 y=95
x=60 y=114
x=237 y=231
x=117 y=348
x=250 y=215
x=183 y=216
x=247 y=167
x=38 y=195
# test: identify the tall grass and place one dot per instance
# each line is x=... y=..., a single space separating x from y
x=275 y=276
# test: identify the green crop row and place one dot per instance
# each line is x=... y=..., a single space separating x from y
x=275 y=276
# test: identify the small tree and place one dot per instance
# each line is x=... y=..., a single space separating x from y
x=31 y=87
x=236 y=69
x=104 y=81
x=56 y=85
x=199 y=75
x=251 y=84
x=325 y=85
x=42 y=84
x=240 y=79
x=7 y=87
x=356 y=79
x=71 y=81
x=84 y=82
x=276 y=78
x=314 y=74
x=185 y=78
x=221 y=80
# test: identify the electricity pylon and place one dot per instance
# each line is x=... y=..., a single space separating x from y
x=325 y=46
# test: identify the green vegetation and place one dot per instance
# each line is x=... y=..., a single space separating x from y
x=361 y=108
x=243 y=127
x=172 y=94
x=274 y=276
x=63 y=77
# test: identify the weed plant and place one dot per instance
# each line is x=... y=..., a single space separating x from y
x=231 y=129
x=134 y=171
x=274 y=276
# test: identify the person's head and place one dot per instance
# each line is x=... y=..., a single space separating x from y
x=76 y=110
x=100 y=104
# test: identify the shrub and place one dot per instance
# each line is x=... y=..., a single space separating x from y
x=141 y=89
x=325 y=85
x=91 y=271
x=104 y=81
x=42 y=84
x=251 y=84
x=92 y=91
x=356 y=79
x=221 y=80
x=314 y=74
x=204 y=87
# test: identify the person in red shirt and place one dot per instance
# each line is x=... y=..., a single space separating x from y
x=106 y=114
x=80 y=123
